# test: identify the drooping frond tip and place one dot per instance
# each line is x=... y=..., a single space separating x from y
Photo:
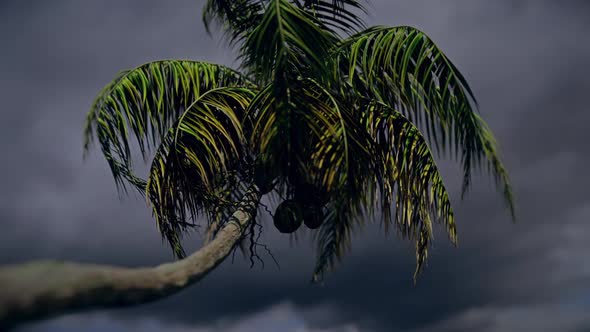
x=401 y=171
x=195 y=164
x=191 y=114
x=143 y=103
x=403 y=68
x=408 y=83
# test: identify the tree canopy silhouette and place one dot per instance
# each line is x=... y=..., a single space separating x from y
x=335 y=120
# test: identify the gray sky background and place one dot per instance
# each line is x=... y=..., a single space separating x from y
x=528 y=62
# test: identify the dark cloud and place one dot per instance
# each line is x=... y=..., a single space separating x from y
x=526 y=61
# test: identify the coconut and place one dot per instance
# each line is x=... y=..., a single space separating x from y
x=313 y=216
x=288 y=216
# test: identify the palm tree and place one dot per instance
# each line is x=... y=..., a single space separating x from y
x=332 y=119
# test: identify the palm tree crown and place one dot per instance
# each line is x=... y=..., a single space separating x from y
x=334 y=119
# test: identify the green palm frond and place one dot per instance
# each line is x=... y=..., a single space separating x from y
x=284 y=130
x=338 y=15
x=144 y=102
x=403 y=68
x=210 y=131
x=287 y=39
x=411 y=176
x=237 y=17
x=311 y=134
x=334 y=235
x=240 y=17
x=404 y=175
x=345 y=150
x=196 y=166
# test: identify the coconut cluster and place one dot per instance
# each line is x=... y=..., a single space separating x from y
x=305 y=207
x=290 y=214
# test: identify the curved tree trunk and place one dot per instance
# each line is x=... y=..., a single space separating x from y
x=44 y=289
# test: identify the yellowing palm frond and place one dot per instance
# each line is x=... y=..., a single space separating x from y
x=198 y=162
x=144 y=102
x=402 y=174
x=401 y=67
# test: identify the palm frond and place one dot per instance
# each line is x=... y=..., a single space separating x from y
x=196 y=167
x=337 y=15
x=403 y=68
x=287 y=39
x=311 y=135
x=144 y=102
x=237 y=17
x=334 y=235
x=404 y=175
x=410 y=174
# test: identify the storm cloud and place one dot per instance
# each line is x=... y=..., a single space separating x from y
x=528 y=63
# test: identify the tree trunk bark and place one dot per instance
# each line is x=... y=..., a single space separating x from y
x=44 y=289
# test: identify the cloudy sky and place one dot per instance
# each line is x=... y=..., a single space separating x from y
x=528 y=62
